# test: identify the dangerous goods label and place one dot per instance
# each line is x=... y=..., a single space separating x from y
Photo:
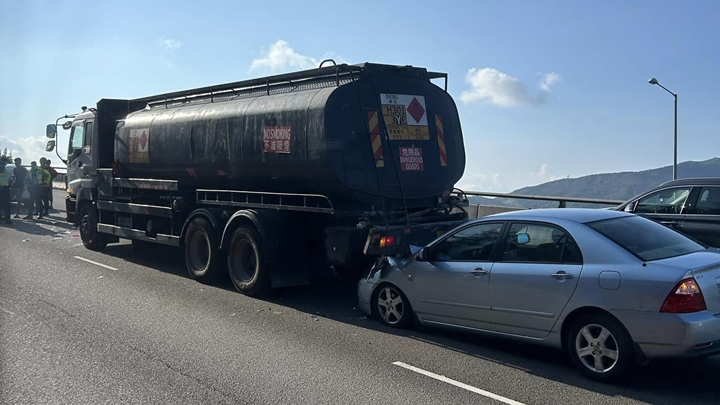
x=405 y=116
x=411 y=159
x=140 y=145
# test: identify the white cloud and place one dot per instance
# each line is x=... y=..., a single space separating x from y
x=501 y=89
x=549 y=80
x=29 y=149
x=282 y=56
x=168 y=43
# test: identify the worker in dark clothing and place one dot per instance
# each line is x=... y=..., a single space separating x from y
x=19 y=185
x=5 y=192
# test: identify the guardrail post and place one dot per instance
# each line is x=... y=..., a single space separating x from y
x=562 y=204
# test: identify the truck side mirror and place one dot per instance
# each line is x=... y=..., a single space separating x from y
x=50 y=146
x=51 y=131
x=67 y=125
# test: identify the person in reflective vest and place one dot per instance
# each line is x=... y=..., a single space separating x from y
x=5 y=192
x=35 y=181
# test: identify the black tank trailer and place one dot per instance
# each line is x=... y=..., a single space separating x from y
x=343 y=163
x=309 y=138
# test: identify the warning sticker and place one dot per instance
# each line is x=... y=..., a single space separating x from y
x=405 y=117
x=139 y=145
x=277 y=139
x=411 y=159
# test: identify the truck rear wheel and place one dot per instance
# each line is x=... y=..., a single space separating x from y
x=246 y=262
x=91 y=238
x=201 y=251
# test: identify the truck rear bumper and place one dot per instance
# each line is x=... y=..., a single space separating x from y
x=394 y=240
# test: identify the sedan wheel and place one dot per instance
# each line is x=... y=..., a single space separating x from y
x=600 y=347
x=597 y=348
x=392 y=307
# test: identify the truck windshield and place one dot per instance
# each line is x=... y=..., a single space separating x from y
x=646 y=239
x=77 y=139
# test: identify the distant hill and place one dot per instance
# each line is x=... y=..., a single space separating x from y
x=613 y=186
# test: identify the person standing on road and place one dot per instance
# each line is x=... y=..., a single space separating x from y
x=19 y=185
x=46 y=191
x=37 y=177
x=5 y=192
x=53 y=175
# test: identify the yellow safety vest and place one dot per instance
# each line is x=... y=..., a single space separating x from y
x=5 y=179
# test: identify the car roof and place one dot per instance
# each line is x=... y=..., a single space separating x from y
x=580 y=215
x=693 y=181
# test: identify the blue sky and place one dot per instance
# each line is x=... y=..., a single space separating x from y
x=545 y=89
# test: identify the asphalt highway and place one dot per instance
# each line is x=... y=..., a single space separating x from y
x=80 y=327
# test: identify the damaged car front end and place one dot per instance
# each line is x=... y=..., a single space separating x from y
x=385 y=270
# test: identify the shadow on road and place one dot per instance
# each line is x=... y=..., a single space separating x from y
x=674 y=382
x=53 y=225
x=662 y=382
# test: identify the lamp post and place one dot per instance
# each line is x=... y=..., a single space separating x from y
x=655 y=82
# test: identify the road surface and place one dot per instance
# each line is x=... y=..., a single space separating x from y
x=128 y=327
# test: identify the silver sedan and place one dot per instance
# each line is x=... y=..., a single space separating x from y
x=610 y=288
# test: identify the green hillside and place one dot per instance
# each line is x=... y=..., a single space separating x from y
x=614 y=186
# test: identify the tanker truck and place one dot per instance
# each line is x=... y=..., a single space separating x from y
x=266 y=179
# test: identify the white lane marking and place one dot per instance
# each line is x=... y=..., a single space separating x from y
x=5 y=310
x=459 y=384
x=96 y=263
x=78 y=244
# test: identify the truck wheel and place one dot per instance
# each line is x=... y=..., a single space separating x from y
x=246 y=262
x=201 y=252
x=89 y=234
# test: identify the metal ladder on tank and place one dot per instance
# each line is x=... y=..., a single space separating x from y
x=384 y=140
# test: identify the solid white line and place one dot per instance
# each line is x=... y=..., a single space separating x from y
x=459 y=384
x=96 y=263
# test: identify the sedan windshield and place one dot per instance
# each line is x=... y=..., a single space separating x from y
x=645 y=238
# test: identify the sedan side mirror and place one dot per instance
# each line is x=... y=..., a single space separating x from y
x=630 y=207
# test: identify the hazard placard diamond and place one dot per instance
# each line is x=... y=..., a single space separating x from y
x=416 y=110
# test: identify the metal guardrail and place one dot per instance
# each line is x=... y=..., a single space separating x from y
x=562 y=201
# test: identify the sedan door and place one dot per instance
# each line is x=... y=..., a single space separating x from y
x=702 y=221
x=451 y=286
x=666 y=206
x=535 y=279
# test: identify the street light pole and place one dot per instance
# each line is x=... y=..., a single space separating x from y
x=655 y=82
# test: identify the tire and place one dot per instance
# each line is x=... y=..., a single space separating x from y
x=91 y=238
x=246 y=262
x=614 y=354
x=202 y=257
x=388 y=296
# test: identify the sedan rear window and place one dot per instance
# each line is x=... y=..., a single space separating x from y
x=646 y=239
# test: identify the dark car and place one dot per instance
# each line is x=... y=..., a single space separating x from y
x=690 y=206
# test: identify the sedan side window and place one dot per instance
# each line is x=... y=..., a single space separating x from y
x=709 y=201
x=475 y=243
x=539 y=243
x=668 y=201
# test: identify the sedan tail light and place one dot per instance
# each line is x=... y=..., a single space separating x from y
x=685 y=298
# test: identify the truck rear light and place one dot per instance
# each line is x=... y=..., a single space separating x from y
x=387 y=241
x=685 y=298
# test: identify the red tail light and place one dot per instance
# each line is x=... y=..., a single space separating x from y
x=387 y=241
x=685 y=298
